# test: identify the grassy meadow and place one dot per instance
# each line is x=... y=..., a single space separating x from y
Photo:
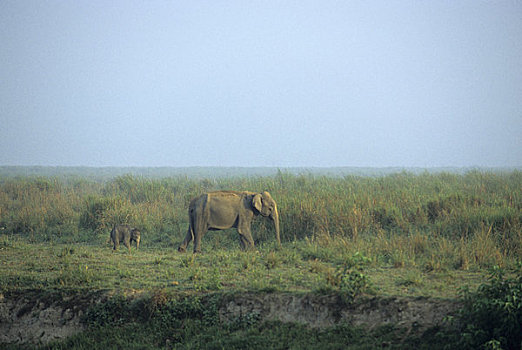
x=435 y=221
x=422 y=234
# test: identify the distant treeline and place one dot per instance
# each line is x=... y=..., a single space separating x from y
x=104 y=173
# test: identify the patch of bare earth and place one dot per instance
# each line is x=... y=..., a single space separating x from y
x=30 y=317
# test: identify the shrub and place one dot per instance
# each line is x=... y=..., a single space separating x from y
x=492 y=316
x=349 y=278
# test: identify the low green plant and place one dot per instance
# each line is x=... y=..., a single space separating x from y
x=411 y=279
x=491 y=317
x=272 y=260
x=75 y=276
x=245 y=321
x=5 y=242
x=248 y=260
x=349 y=278
x=65 y=251
x=213 y=280
x=188 y=260
x=113 y=312
x=204 y=279
x=157 y=261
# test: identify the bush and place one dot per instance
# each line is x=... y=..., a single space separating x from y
x=349 y=279
x=492 y=316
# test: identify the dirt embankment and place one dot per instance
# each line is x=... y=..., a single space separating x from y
x=40 y=317
x=33 y=317
x=329 y=310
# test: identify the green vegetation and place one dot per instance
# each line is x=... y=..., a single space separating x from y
x=441 y=221
x=490 y=319
x=297 y=267
x=407 y=234
x=492 y=315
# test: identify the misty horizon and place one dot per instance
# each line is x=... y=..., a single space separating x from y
x=198 y=172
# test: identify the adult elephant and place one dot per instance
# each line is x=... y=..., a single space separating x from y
x=225 y=209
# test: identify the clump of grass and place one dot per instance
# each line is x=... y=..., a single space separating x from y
x=419 y=243
x=248 y=260
x=272 y=260
x=319 y=267
x=157 y=261
x=485 y=250
x=411 y=278
x=349 y=279
x=75 y=276
x=188 y=260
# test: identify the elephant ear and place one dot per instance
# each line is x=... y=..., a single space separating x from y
x=256 y=202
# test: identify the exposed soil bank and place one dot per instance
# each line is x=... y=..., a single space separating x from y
x=38 y=317
x=328 y=310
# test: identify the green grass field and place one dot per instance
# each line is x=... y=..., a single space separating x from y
x=298 y=267
x=401 y=234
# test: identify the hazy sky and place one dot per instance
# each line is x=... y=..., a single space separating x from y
x=261 y=83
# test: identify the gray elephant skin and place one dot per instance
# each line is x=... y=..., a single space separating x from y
x=125 y=234
x=225 y=209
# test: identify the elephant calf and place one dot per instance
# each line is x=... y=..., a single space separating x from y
x=125 y=234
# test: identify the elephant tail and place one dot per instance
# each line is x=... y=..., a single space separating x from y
x=192 y=223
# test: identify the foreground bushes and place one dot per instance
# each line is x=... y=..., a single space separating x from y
x=492 y=316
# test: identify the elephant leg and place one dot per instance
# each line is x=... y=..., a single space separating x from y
x=245 y=239
x=200 y=226
x=244 y=228
x=126 y=242
x=197 y=242
x=199 y=231
x=188 y=238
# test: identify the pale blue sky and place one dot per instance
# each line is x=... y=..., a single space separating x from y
x=261 y=83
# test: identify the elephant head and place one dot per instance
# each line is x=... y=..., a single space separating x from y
x=267 y=207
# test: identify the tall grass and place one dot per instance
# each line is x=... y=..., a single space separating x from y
x=471 y=219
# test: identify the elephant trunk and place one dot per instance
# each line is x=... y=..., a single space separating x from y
x=275 y=218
